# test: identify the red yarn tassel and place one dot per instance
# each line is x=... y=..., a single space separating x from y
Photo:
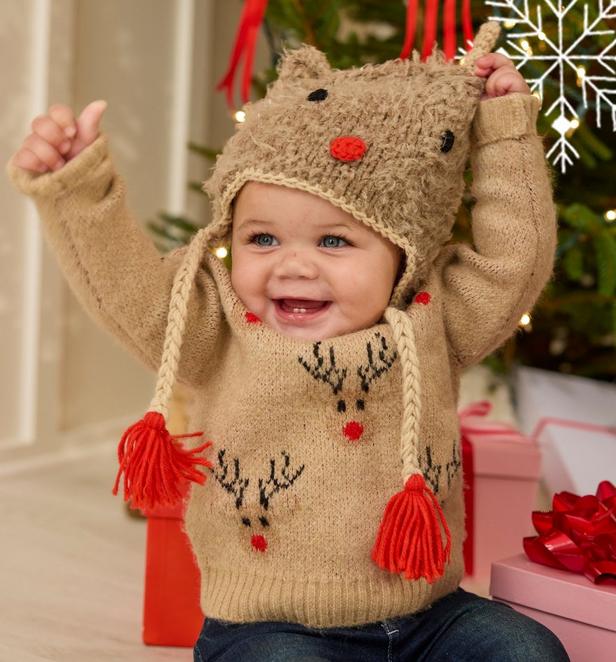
x=154 y=464
x=409 y=538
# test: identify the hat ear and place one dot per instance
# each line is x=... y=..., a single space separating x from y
x=305 y=62
x=484 y=42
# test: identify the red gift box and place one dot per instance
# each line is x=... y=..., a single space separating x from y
x=501 y=470
x=171 y=612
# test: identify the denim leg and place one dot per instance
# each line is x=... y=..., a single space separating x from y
x=463 y=626
x=221 y=641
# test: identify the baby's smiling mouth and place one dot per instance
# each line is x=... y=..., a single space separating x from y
x=301 y=305
x=300 y=308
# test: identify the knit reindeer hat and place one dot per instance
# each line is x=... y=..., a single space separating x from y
x=387 y=143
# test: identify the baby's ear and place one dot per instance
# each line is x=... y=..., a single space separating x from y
x=304 y=62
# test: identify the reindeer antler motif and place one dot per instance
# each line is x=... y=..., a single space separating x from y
x=236 y=486
x=453 y=466
x=269 y=487
x=386 y=357
x=331 y=375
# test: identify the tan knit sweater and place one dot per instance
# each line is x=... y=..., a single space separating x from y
x=284 y=526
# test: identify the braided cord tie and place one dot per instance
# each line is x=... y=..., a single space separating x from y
x=413 y=537
x=176 y=321
x=404 y=335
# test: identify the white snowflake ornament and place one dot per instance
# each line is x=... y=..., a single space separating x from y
x=561 y=60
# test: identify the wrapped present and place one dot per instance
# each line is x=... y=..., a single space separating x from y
x=573 y=419
x=581 y=614
x=501 y=471
x=171 y=612
x=568 y=581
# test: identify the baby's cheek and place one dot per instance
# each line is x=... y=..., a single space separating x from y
x=243 y=281
x=366 y=289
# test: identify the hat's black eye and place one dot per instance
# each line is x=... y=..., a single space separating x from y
x=447 y=139
x=318 y=95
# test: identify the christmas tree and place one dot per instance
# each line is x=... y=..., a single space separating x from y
x=572 y=329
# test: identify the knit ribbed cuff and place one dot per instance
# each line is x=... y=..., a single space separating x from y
x=510 y=116
x=237 y=595
x=58 y=182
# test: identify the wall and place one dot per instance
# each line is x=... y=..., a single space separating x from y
x=65 y=382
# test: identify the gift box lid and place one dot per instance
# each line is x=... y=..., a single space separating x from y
x=566 y=594
x=509 y=455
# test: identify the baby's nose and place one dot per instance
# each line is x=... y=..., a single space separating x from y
x=296 y=264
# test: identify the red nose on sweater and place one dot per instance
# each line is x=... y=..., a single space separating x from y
x=353 y=430
x=258 y=542
x=347 y=148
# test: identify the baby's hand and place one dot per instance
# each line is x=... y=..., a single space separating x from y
x=503 y=77
x=57 y=138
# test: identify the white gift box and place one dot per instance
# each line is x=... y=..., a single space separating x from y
x=574 y=421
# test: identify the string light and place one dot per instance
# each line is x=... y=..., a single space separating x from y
x=525 y=320
x=240 y=116
x=221 y=252
x=526 y=46
x=509 y=24
x=610 y=215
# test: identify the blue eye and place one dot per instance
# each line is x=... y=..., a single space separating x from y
x=333 y=244
x=255 y=239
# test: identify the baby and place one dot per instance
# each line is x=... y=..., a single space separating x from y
x=326 y=365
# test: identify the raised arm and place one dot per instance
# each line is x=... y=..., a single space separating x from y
x=487 y=287
x=112 y=266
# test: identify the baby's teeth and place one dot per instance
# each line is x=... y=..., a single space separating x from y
x=299 y=310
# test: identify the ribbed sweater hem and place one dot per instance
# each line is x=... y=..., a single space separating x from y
x=241 y=597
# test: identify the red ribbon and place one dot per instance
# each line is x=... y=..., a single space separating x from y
x=471 y=423
x=429 y=26
x=253 y=12
x=245 y=41
x=578 y=535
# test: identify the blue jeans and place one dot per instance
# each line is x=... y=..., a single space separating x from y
x=461 y=626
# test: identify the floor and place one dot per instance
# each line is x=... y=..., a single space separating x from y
x=71 y=567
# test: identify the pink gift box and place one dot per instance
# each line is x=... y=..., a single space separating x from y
x=581 y=614
x=506 y=469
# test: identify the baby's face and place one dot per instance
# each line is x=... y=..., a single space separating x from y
x=305 y=267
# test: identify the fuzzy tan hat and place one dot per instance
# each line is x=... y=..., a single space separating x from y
x=387 y=143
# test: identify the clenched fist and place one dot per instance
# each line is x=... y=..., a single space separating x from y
x=57 y=137
x=502 y=76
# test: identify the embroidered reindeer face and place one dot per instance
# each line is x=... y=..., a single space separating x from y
x=255 y=516
x=350 y=404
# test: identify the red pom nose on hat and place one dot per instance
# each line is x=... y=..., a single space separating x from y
x=347 y=148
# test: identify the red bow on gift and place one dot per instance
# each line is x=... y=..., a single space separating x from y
x=578 y=535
